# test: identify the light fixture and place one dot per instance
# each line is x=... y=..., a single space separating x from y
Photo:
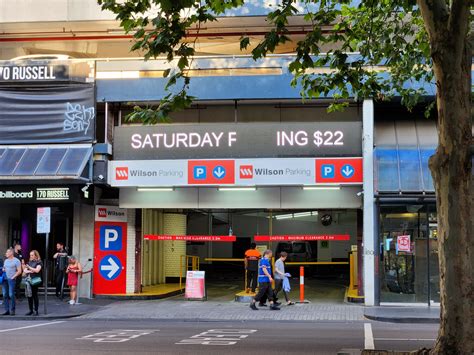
x=321 y=187
x=154 y=189
x=296 y=215
x=251 y=188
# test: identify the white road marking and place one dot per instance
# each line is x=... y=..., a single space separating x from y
x=400 y=339
x=30 y=326
x=218 y=337
x=117 y=335
x=368 y=337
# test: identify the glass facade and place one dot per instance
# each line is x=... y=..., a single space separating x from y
x=408 y=240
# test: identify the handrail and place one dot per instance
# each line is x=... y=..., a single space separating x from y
x=194 y=266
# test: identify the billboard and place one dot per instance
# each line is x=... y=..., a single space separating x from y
x=47 y=114
x=237 y=140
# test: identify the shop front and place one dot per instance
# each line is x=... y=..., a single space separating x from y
x=207 y=191
x=47 y=131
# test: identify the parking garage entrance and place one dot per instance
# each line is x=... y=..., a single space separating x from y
x=215 y=241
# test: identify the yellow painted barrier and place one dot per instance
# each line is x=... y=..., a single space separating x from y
x=185 y=264
x=318 y=263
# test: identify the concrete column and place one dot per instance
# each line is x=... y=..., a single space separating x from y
x=83 y=244
x=130 y=283
x=369 y=249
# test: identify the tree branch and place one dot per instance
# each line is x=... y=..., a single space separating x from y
x=458 y=25
x=435 y=14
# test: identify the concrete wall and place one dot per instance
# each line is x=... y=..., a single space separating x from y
x=131 y=238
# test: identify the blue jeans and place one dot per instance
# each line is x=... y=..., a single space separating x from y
x=9 y=294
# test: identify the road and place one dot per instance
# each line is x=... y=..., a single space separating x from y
x=169 y=337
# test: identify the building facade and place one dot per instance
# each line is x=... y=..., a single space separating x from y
x=248 y=160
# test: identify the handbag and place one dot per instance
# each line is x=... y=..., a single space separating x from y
x=35 y=281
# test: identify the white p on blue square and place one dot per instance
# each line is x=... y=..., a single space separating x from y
x=327 y=171
x=200 y=172
x=110 y=238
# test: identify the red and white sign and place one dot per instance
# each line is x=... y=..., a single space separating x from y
x=110 y=214
x=246 y=171
x=404 y=243
x=195 y=285
x=193 y=238
x=110 y=250
x=121 y=173
x=303 y=237
x=339 y=171
x=211 y=172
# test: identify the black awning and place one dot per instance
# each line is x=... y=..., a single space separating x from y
x=45 y=162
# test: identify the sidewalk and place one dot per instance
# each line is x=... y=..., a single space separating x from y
x=177 y=309
x=403 y=314
x=57 y=309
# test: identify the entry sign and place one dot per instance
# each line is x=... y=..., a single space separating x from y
x=110 y=250
x=43 y=225
x=404 y=243
x=195 y=285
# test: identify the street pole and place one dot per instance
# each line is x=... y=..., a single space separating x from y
x=46 y=275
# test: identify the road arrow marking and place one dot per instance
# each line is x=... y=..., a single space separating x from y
x=112 y=267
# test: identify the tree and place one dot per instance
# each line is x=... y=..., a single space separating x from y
x=423 y=40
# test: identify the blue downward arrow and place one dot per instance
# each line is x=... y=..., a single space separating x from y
x=347 y=171
x=218 y=172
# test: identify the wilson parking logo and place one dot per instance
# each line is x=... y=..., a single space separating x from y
x=102 y=212
x=121 y=173
x=246 y=171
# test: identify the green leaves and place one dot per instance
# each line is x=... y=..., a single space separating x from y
x=387 y=40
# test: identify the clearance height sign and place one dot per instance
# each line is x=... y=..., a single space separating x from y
x=110 y=250
x=239 y=172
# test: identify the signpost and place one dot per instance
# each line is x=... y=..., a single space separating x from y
x=195 y=286
x=43 y=226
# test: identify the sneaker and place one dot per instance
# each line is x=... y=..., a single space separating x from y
x=253 y=306
x=262 y=304
x=7 y=313
x=274 y=308
x=29 y=313
x=71 y=302
x=12 y=313
x=35 y=313
x=277 y=304
x=290 y=303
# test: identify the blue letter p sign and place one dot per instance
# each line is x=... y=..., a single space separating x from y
x=199 y=172
x=110 y=238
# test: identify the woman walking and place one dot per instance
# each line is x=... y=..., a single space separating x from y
x=73 y=270
x=33 y=275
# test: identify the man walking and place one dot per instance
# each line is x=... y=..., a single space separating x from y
x=252 y=256
x=60 y=268
x=265 y=282
x=17 y=253
x=12 y=271
x=280 y=277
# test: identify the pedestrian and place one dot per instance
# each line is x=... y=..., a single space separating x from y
x=12 y=270
x=33 y=276
x=18 y=253
x=73 y=270
x=252 y=257
x=265 y=282
x=60 y=268
x=280 y=276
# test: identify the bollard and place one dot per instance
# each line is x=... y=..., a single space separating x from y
x=301 y=284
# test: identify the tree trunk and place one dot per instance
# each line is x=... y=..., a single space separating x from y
x=452 y=171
